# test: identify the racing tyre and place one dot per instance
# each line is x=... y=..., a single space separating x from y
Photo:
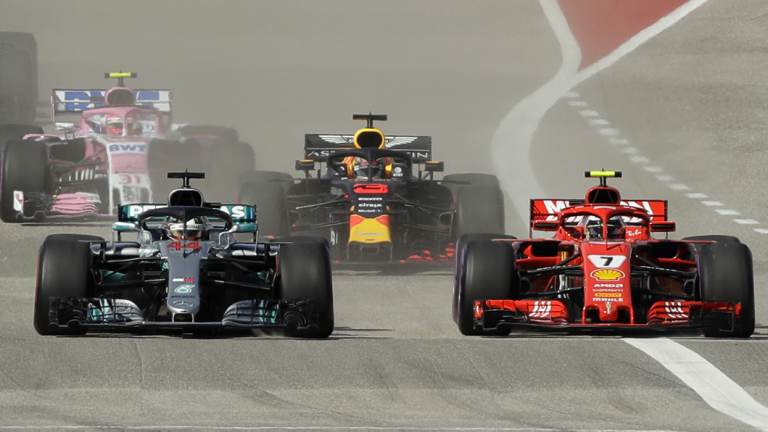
x=63 y=270
x=230 y=160
x=479 y=208
x=472 y=179
x=725 y=274
x=268 y=191
x=25 y=169
x=220 y=132
x=461 y=249
x=305 y=274
x=9 y=132
x=487 y=272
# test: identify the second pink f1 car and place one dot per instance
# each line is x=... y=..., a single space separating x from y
x=603 y=270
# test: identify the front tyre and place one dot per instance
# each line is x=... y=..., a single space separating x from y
x=63 y=270
x=725 y=275
x=304 y=269
x=487 y=272
x=25 y=169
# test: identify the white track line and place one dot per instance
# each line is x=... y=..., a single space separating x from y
x=679 y=187
x=697 y=195
x=514 y=137
x=310 y=428
x=746 y=222
x=717 y=390
x=727 y=212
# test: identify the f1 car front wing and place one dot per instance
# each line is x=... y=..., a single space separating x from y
x=120 y=315
x=491 y=315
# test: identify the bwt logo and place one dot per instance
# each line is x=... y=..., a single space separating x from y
x=128 y=148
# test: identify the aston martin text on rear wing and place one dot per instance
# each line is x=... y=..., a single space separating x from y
x=547 y=209
x=79 y=100
x=318 y=147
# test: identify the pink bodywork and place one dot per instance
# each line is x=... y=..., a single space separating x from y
x=125 y=156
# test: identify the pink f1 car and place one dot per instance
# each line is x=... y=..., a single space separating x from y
x=115 y=152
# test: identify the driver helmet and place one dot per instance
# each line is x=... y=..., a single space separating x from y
x=114 y=126
x=594 y=228
x=615 y=229
x=132 y=126
x=194 y=230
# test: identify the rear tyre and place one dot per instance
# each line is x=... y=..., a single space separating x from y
x=9 y=132
x=487 y=272
x=63 y=270
x=230 y=160
x=725 y=274
x=305 y=274
x=471 y=179
x=268 y=191
x=479 y=204
x=25 y=169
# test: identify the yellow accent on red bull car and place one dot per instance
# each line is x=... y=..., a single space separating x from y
x=369 y=230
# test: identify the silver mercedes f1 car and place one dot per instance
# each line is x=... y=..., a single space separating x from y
x=187 y=270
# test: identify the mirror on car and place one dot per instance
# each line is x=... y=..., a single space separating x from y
x=662 y=226
x=434 y=166
x=125 y=227
x=544 y=225
x=243 y=228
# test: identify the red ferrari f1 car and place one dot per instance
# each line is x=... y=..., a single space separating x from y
x=603 y=270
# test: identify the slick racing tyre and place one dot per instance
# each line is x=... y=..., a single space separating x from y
x=12 y=132
x=471 y=179
x=487 y=272
x=461 y=249
x=228 y=157
x=230 y=160
x=267 y=190
x=304 y=269
x=478 y=203
x=18 y=86
x=63 y=270
x=24 y=169
x=725 y=275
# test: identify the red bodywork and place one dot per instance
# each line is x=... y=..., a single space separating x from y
x=585 y=277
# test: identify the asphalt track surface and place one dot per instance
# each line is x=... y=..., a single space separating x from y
x=690 y=100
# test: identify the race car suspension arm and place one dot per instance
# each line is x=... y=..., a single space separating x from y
x=553 y=294
x=556 y=269
x=334 y=201
x=641 y=270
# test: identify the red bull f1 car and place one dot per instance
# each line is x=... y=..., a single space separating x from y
x=187 y=269
x=603 y=270
x=376 y=199
x=118 y=150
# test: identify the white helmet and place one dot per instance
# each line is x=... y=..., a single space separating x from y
x=194 y=230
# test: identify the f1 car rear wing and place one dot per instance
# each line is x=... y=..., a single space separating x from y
x=240 y=213
x=318 y=147
x=547 y=209
x=79 y=100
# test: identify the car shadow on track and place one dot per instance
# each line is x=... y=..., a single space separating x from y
x=340 y=333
